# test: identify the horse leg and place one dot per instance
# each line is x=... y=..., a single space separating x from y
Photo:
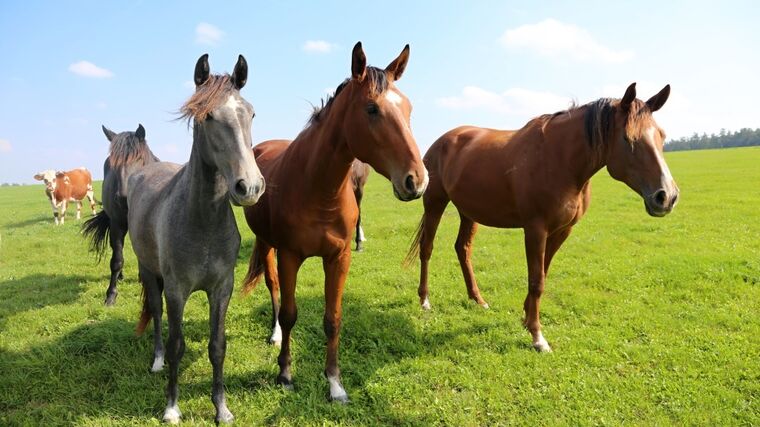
x=116 y=239
x=153 y=288
x=175 y=349
x=435 y=202
x=535 y=249
x=79 y=210
x=553 y=243
x=463 y=248
x=287 y=269
x=219 y=300
x=266 y=253
x=359 y=237
x=336 y=270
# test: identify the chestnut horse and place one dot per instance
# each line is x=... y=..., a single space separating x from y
x=537 y=178
x=359 y=175
x=183 y=229
x=309 y=207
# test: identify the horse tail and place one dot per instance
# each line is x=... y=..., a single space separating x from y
x=145 y=312
x=255 y=270
x=414 y=249
x=97 y=230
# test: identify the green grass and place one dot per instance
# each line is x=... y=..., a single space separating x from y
x=652 y=321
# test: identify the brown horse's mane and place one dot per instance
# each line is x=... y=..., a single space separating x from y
x=378 y=83
x=599 y=119
x=206 y=97
x=127 y=149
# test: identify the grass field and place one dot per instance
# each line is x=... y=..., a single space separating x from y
x=652 y=321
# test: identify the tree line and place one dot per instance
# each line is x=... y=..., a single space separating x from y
x=742 y=138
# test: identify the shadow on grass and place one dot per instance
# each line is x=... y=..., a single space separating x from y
x=40 y=218
x=37 y=291
x=97 y=369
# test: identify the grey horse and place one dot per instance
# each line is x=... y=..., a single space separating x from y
x=128 y=152
x=182 y=227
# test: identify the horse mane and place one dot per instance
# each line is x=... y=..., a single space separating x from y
x=127 y=148
x=599 y=119
x=378 y=83
x=207 y=96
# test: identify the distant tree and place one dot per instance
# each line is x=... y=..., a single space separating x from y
x=744 y=137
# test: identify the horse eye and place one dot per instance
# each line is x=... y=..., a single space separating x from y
x=372 y=109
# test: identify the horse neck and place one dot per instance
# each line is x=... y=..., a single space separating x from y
x=581 y=158
x=206 y=188
x=327 y=159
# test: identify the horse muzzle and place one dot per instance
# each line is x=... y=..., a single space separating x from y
x=244 y=193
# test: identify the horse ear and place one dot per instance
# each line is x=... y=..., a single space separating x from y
x=397 y=66
x=358 y=62
x=110 y=135
x=140 y=132
x=630 y=95
x=39 y=176
x=656 y=102
x=240 y=75
x=201 y=70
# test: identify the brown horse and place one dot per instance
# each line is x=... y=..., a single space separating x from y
x=537 y=178
x=359 y=175
x=309 y=207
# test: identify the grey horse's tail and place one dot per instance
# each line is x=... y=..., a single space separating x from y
x=145 y=312
x=414 y=249
x=255 y=270
x=97 y=230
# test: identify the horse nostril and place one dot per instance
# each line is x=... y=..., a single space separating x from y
x=660 y=197
x=409 y=183
x=675 y=199
x=240 y=188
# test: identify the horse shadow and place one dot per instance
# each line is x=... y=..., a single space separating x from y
x=42 y=290
x=374 y=336
x=102 y=363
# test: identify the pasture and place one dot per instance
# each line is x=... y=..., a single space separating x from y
x=652 y=320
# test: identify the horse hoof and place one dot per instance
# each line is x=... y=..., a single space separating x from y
x=110 y=300
x=343 y=399
x=276 y=343
x=224 y=417
x=426 y=304
x=542 y=347
x=286 y=383
x=485 y=305
x=172 y=415
x=158 y=365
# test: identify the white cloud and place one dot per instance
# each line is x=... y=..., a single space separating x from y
x=5 y=146
x=208 y=34
x=88 y=69
x=318 y=46
x=101 y=105
x=517 y=101
x=555 y=39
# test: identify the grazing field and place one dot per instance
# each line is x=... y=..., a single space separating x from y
x=652 y=321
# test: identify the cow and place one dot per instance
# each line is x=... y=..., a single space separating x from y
x=64 y=187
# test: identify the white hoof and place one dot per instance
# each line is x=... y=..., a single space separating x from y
x=541 y=345
x=337 y=392
x=172 y=414
x=158 y=364
x=426 y=304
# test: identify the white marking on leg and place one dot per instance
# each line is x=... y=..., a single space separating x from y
x=540 y=343
x=337 y=393
x=158 y=364
x=361 y=234
x=426 y=304
x=276 y=338
x=172 y=414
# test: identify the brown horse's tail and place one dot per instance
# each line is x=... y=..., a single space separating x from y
x=414 y=249
x=255 y=270
x=145 y=313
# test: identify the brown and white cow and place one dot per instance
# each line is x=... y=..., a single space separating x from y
x=64 y=187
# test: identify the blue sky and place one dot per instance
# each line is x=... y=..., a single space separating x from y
x=68 y=67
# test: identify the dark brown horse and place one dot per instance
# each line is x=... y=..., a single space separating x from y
x=309 y=207
x=359 y=175
x=537 y=178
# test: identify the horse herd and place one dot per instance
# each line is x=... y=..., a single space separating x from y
x=298 y=199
